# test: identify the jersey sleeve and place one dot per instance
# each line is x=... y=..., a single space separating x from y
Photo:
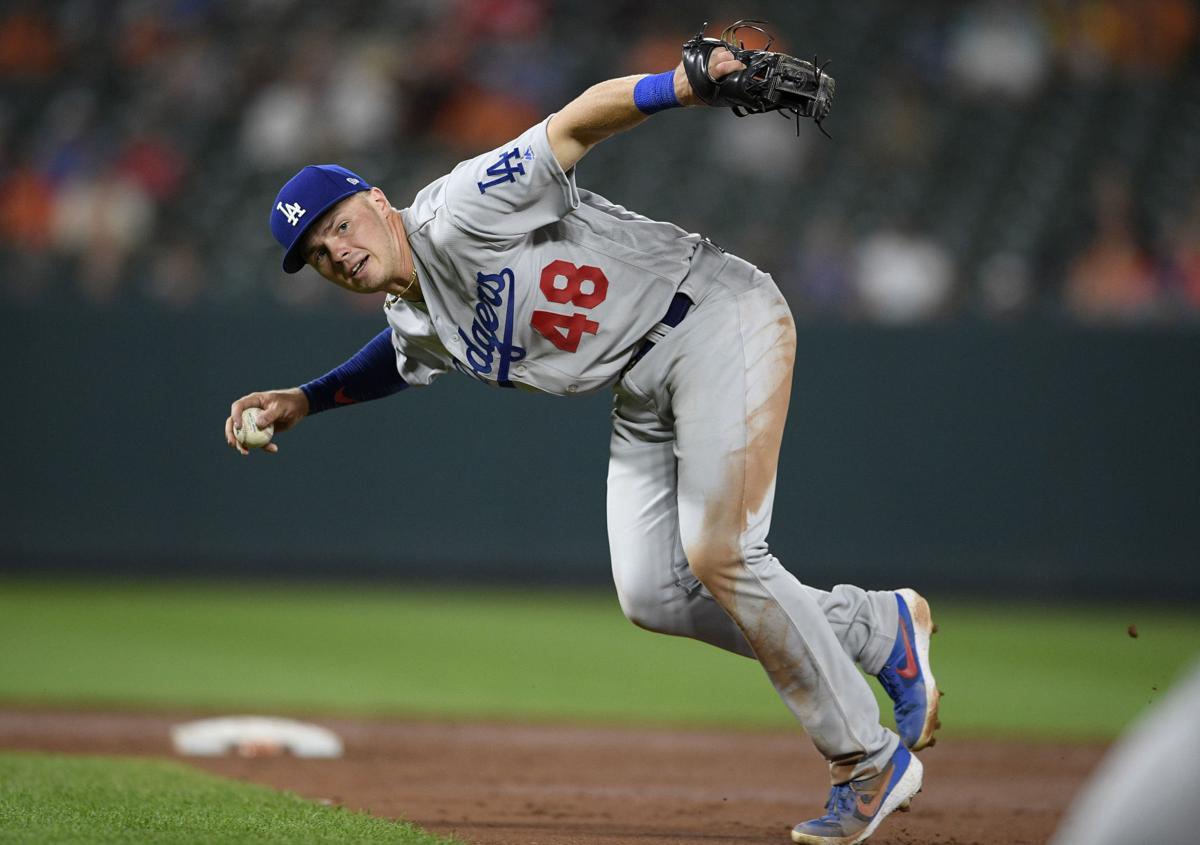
x=513 y=189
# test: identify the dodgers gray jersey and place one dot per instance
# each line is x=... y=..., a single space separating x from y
x=529 y=281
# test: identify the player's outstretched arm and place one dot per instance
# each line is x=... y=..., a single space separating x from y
x=280 y=408
x=610 y=107
x=370 y=374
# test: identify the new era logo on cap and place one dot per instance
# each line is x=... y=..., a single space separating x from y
x=305 y=197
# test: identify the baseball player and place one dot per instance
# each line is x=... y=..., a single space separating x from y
x=506 y=271
x=1154 y=766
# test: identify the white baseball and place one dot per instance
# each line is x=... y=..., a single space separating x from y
x=249 y=434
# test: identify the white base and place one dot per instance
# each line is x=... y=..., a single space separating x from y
x=253 y=736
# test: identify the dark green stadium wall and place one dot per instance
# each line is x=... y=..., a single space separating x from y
x=1040 y=458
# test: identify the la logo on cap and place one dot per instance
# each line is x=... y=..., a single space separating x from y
x=292 y=211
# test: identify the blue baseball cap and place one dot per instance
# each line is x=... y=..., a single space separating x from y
x=305 y=197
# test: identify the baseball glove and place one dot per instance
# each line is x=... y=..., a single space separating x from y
x=770 y=81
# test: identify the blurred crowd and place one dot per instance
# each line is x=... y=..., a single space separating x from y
x=997 y=158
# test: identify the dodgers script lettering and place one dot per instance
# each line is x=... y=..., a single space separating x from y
x=483 y=347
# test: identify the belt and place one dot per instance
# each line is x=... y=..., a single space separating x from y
x=680 y=305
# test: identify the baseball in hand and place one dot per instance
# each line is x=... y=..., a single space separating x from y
x=249 y=434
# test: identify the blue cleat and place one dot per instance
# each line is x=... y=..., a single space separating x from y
x=906 y=676
x=856 y=808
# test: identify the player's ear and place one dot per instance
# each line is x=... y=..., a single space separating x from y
x=378 y=199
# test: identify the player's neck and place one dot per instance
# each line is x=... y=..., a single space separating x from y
x=409 y=289
x=408 y=283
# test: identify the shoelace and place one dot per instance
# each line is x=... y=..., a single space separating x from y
x=840 y=803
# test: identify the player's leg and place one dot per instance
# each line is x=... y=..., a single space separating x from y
x=723 y=379
x=659 y=592
x=655 y=585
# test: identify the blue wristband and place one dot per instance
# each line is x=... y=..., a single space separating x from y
x=370 y=374
x=655 y=92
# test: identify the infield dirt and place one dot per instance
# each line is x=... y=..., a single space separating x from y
x=518 y=784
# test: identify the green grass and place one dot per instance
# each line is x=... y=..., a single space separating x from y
x=49 y=798
x=1017 y=670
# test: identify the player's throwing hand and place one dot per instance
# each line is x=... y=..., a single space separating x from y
x=280 y=408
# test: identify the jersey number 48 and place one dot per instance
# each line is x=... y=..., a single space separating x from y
x=582 y=285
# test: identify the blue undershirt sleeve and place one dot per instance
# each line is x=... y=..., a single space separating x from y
x=370 y=374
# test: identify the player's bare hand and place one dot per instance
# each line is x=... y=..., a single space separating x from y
x=721 y=63
x=280 y=408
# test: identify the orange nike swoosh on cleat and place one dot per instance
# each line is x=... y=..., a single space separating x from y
x=340 y=398
x=868 y=807
x=910 y=660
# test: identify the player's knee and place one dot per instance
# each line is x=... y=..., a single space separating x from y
x=715 y=567
x=720 y=565
x=646 y=612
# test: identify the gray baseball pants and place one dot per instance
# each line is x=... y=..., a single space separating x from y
x=697 y=425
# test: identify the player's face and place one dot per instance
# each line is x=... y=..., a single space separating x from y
x=355 y=245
